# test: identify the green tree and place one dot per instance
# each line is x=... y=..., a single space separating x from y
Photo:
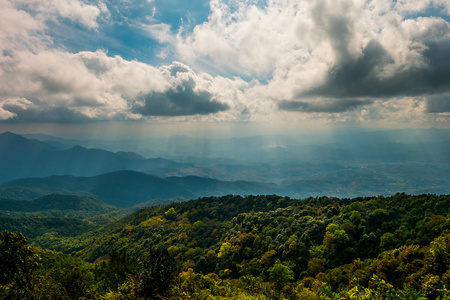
x=75 y=283
x=280 y=274
x=170 y=214
x=18 y=263
x=158 y=274
x=113 y=273
x=387 y=240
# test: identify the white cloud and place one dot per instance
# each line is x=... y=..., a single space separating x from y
x=74 y=10
x=426 y=29
x=411 y=6
x=249 y=40
x=6 y=115
x=96 y=86
x=160 y=32
x=86 y=85
x=297 y=45
x=264 y=54
x=16 y=28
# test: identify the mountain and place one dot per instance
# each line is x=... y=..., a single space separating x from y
x=13 y=144
x=342 y=164
x=128 y=188
x=21 y=158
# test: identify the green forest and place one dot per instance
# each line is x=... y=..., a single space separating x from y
x=233 y=247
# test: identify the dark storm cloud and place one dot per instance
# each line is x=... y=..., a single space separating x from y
x=358 y=78
x=180 y=101
x=323 y=106
x=438 y=104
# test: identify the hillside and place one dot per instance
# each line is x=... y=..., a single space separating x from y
x=62 y=215
x=270 y=216
x=271 y=247
x=55 y=202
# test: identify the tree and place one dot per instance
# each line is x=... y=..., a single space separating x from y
x=268 y=258
x=18 y=262
x=387 y=240
x=75 y=283
x=114 y=272
x=170 y=214
x=280 y=274
x=158 y=274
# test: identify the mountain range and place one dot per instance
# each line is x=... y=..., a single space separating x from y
x=21 y=157
x=343 y=165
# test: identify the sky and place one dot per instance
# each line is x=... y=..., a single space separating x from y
x=222 y=67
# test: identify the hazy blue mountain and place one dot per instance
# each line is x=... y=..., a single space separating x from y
x=341 y=163
x=130 y=155
x=128 y=188
x=21 y=157
x=14 y=144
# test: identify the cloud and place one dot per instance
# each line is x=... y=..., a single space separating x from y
x=181 y=101
x=411 y=6
x=183 y=98
x=160 y=32
x=360 y=78
x=22 y=110
x=73 y=10
x=41 y=83
x=247 y=40
x=438 y=104
x=250 y=61
x=19 y=29
x=394 y=111
x=343 y=49
x=323 y=105
x=92 y=85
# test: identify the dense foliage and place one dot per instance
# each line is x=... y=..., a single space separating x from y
x=61 y=215
x=259 y=247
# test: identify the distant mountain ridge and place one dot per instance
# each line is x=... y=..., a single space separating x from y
x=21 y=158
x=128 y=188
x=341 y=164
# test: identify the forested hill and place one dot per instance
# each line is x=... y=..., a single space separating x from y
x=294 y=248
x=407 y=219
x=56 y=202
